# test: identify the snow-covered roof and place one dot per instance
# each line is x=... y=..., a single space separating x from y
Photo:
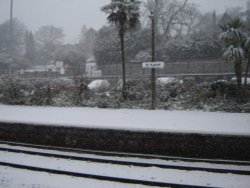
x=91 y=60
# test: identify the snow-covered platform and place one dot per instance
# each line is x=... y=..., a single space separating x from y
x=179 y=133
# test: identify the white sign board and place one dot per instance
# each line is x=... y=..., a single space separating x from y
x=153 y=65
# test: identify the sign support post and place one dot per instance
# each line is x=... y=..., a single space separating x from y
x=153 y=84
x=11 y=38
x=153 y=65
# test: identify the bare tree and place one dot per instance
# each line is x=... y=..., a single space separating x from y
x=48 y=38
x=173 y=17
x=49 y=34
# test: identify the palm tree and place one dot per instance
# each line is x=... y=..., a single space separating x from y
x=233 y=39
x=125 y=15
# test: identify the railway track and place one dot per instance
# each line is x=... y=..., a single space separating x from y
x=126 y=162
x=105 y=178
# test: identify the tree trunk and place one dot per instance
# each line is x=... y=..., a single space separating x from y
x=246 y=75
x=124 y=84
x=238 y=73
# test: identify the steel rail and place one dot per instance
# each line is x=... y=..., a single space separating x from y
x=99 y=177
x=128 y=163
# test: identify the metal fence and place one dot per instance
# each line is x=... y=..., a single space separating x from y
x=205 y=68
x=178 y=68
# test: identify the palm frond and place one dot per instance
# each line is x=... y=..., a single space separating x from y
x=232 y=34
x=247 y=45
x=123 y=13
x=233 y=54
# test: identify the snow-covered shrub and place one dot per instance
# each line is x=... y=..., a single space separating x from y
x=168 y=87
x=80 y=91
x=64 y=98
x=168 y=80
x=99 y=85
x=105 y=100
x=171 y=94
x=12 y=91
x=225 y=89
x=219 y=87
x=181 y=96
x=138 y=89
x=40 y=93
x=62 y=83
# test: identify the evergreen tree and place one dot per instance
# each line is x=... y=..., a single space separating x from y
x=30 y=49
x=87 y=40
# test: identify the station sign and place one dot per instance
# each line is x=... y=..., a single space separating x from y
x=153 y=65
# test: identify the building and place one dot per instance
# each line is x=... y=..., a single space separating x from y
x=91 y=69
x=54 y=68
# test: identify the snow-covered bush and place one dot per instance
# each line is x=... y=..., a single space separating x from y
x=219 y=87
x=168 y=80
x=224 y=88
x=99 y=85
x=40 y=93
x=107 y=100
x=12 y=91
x=168 y=87
x=172 y=94
x=63 y=83
x=64 y=98
x=138 y=89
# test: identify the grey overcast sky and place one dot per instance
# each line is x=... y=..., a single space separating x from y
x=72 y=14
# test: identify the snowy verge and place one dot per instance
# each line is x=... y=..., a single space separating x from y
x=134 y=120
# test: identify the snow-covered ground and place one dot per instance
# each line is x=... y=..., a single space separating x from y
x=123 y=119
x=13 y=178
x=17 y=178
x=139 y=120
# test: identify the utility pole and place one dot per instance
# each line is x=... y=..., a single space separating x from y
x=153 y=84
x=11 y=37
